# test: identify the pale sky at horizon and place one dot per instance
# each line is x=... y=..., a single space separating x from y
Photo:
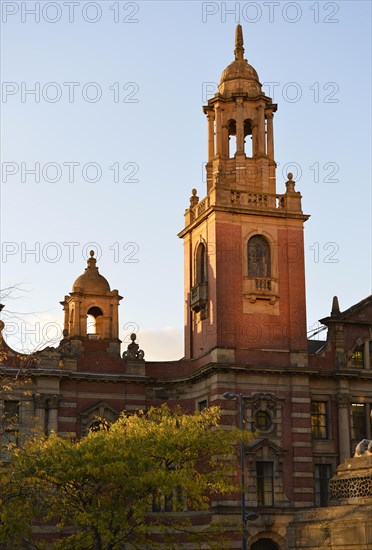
x=313 y=58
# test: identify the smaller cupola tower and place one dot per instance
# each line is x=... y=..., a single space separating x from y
x=91 y=309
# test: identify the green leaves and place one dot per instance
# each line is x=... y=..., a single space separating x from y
x=101 y=489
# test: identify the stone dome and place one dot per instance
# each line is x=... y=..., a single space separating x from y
x=240 y=68
x=91 y=281
x=239 y=76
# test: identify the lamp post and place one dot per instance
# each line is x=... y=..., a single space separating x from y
x=252 y=516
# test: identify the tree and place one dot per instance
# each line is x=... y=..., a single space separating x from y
x=121 y=484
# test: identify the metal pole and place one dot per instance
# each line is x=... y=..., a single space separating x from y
x=242 y=461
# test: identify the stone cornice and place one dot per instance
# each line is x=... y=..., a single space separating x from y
x=267 y=213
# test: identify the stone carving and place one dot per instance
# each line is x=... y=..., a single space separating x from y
x=133 y=352
x=364 y=447
x=65 y=348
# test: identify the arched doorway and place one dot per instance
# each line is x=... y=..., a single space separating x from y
x=264 y=544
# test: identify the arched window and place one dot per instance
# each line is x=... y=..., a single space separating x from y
x=95 y=321
x=231 y=126
x=200 y=267
x=248 y=146
x=259 y=261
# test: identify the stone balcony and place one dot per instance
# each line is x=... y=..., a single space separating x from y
x=199 y=296
x=260 y=288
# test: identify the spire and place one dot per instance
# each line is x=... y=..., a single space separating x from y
x=239 y=50
x=335 y=307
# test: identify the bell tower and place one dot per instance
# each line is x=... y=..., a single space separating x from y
x=243 y=243
x=91 y=309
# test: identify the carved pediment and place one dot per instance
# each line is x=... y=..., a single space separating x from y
x=267 y=444
x=99 y=410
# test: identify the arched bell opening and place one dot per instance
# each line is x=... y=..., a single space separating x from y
x=231 y=129
x=95 y=321
x=248 y=138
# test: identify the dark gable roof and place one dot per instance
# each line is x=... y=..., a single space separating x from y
x=345 y=315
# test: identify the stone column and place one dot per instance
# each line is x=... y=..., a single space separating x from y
x=367 y=358
x=115 y=322
x=369 y=420
x=239 y=125
x=254 y=138
x=53 y=414
x=40 y=402
x=76 y=320
x=225 y=139
x=261 y=129
x=218 y=130
x=343 y=426
x=270 y=135
x=210 y=116
x=66 y=316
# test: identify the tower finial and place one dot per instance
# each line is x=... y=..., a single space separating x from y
x=91 y=261
x=239 y=50
x=335 y=307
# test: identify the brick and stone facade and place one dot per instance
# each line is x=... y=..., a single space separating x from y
x=245 y=331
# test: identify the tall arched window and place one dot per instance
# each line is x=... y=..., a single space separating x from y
x=259 y=260
x=200 y=264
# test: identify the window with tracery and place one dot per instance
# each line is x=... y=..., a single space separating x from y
x=259 y=260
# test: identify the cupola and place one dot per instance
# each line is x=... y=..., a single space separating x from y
x=91 y=309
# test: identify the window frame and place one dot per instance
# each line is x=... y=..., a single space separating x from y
x=265 y=483
x=318 y=427
x=362 y=408
x=202 y=404
x=252 y=271
x=322 y=482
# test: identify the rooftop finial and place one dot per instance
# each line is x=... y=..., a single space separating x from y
x=335 y=307
x=91 y=260
x=239 y=50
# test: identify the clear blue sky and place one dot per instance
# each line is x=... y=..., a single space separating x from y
x=151 y=63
